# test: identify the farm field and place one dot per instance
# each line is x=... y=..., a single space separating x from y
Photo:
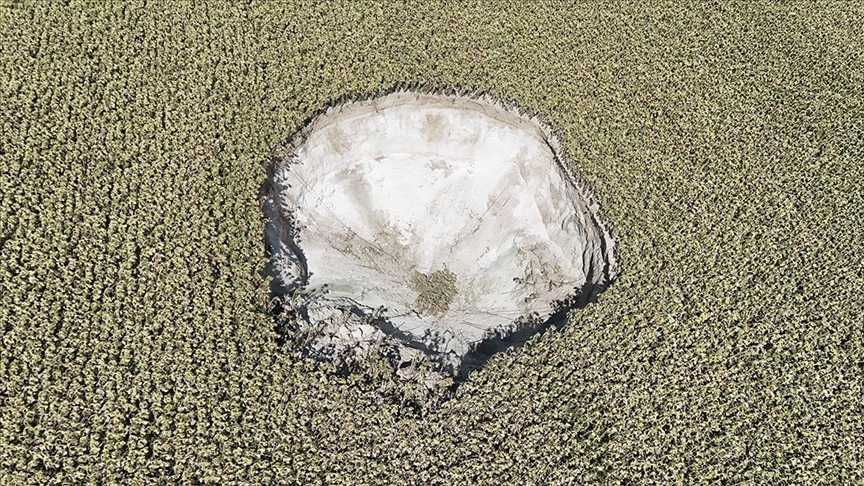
x=724 y=142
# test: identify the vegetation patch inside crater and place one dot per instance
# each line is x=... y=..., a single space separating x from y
x=436 y=289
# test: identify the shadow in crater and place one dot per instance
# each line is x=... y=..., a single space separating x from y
x=484 y=350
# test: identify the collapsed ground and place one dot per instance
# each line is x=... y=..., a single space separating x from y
x=374 y=194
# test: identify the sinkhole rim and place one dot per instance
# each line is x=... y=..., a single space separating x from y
x=482 y=350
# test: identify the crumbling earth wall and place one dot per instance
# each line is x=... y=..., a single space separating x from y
x=432 y=223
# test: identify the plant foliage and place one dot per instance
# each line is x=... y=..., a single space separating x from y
x=723 y=139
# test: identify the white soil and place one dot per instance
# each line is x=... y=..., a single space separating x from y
x=381 y=189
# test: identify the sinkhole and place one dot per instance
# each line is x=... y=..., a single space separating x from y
x=447 y=226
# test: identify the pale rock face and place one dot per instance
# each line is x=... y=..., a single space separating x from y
x=450 y=219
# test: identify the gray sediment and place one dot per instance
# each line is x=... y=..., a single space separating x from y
x=447 y=226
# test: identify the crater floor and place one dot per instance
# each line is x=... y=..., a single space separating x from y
x=442 y=221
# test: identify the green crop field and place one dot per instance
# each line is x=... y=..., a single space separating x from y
x=723 y=140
